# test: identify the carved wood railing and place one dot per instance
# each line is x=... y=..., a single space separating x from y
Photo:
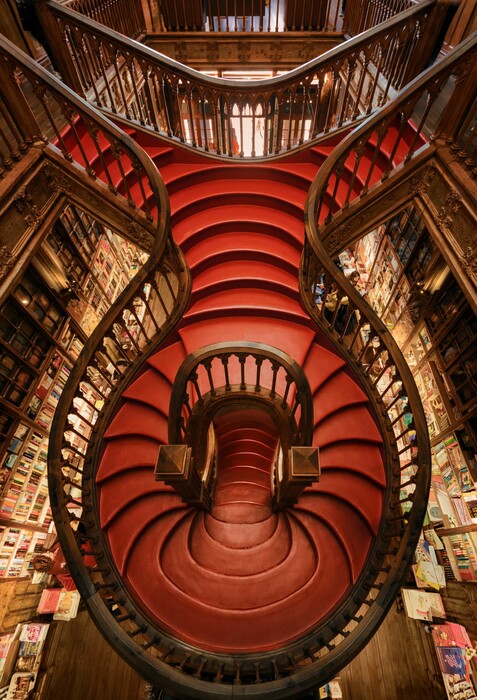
x=361 y=15
x=38 y=109
x=237 y=118
x=349 y=322
x=226 y=368
x=281 y=16
x=240 y=373
x=124 y=16
x=403 y=129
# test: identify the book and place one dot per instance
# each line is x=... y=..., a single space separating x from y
x=33 y=632
x=20 y=686
x=422 y=605
x=49 y=601
x=68 y=604
x=429 y=575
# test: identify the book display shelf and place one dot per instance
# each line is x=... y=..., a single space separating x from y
x=76 y=274
x=410 y=287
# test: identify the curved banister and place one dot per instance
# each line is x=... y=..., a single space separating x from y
x=353 y=167
x=242 y=373
x=219 y=116
x=82 y=416
x=79 y=132
x=196 y=377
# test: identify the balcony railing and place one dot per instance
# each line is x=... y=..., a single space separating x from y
x=402 y=130
x=278 y=16
x=237 y=118
x=124 y=16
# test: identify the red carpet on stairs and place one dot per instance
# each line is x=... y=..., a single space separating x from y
x=241 y=578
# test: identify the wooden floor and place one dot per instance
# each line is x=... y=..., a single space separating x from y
x=84 y=667
x=399 y=663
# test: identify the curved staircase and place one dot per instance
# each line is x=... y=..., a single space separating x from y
x=242 y=579
x=242 y=598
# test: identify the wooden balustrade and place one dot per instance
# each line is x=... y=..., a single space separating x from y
x=280 y=16
x=123 y=16
x=414 y=119
x=239 y=373
x=237 y=118
x=247 y=368
x=361 y=15
x=31 y=96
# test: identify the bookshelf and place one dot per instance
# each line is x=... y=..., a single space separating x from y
x=77 y=272
x=423 y=306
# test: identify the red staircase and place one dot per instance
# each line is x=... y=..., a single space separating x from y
x=242 y=578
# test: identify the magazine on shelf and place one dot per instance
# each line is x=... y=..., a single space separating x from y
x=422 y=605
x=49 y=601
x=429 y=575
x=68 y=604
x=20 y=686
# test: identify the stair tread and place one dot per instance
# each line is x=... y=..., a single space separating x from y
x=151 y=388
x=239 y=272
x=351 y=423
x=339 y=391
x=122 y=491
x=290 y=226
x=240 y=242
x=125 y=453
x=291 y=337
x=135 y=418
x=247 y=297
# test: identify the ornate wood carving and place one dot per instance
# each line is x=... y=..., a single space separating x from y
x=263 y=51
x=25 y=205
x=6 y=262
x=59 y=182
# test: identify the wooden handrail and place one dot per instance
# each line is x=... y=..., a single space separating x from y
x=196 y=373
x=353 y=166
x=123 y=16
x=78 y=132
x=236 y=118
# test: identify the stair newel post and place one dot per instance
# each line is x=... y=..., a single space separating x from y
x=27 y=130
x=58 y=45
x=460 y=108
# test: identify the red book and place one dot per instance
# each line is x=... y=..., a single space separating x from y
x=49 y=601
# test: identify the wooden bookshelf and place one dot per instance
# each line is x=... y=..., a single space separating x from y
x=78 y=271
